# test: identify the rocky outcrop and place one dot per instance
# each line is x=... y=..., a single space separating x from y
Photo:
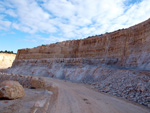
x=11 y=90
x=6 y=60
x=123 y=48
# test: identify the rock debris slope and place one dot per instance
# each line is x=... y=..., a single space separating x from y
x=117 y=63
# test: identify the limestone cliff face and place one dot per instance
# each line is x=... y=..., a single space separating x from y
x=6 y=60
x=127 y=48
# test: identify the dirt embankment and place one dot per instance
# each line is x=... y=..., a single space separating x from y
x=6 y=60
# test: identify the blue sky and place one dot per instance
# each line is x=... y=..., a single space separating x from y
x=30 y=23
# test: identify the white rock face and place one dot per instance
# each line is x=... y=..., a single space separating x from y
x=6 y=60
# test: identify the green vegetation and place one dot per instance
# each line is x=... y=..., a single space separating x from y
x=11 y=52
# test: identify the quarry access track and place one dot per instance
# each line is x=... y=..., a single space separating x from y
x=62 y=96
x=78 y=98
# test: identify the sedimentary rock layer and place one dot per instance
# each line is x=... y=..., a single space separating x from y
x=6 y=60
x=127 y=48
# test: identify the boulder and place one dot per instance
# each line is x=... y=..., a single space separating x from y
x=11 y=90
x=38 y=83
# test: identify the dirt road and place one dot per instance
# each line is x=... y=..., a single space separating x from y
x=76 y=98
x=67 y=97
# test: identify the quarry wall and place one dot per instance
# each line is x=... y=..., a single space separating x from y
x=128 y=48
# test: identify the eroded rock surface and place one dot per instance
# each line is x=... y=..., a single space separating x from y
x=11 y=90
x=6 y=60
x=123 y=48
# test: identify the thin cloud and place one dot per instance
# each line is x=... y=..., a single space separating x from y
x=11 y=12
x=71 y=19
x=45 y=40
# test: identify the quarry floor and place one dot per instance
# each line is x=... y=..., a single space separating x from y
x=67 y=97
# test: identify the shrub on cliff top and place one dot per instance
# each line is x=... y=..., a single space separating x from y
x=11 y=52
